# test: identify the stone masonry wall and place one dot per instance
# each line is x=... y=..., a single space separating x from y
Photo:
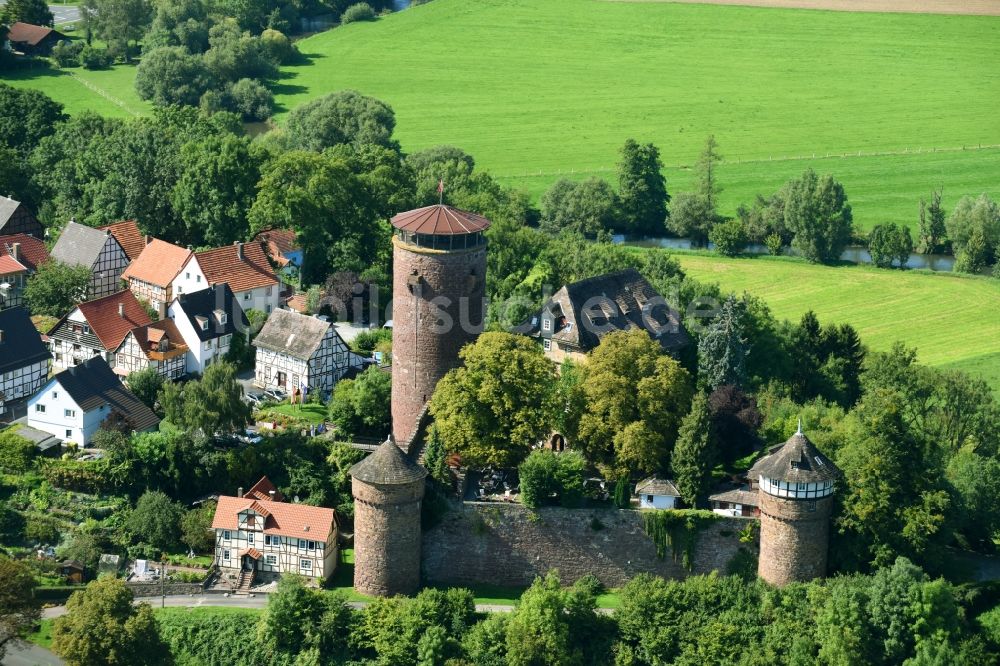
x=154 y=589
x=795 y=537
x=504 y=544
x=387 y=538
x=449 y=282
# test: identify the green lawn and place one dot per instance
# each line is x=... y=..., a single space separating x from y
x=42 y=637
x=952 y=320
x=109 y=92
x=310 y=412
x=535 y=89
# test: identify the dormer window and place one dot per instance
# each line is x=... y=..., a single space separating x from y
x=202 y=323
x=221 y=316
x=546 y=324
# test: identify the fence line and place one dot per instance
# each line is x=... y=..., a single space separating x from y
x=770 y=158
x=103 y=93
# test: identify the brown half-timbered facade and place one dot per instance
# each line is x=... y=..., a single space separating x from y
x=100 y=251
x=15 y=218
x=151 y=277
x=158 y=345
x=272 y=537
x=24 y=359
x=295 y=351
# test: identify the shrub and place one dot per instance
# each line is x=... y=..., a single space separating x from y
x=774 y=244
x=94 y=58
x=67 y=54
x=366 y=341
x=729 y=237
x=545 y=475
x=251 y=99
x=889 y=243
x=279 y=47
x=361 y=11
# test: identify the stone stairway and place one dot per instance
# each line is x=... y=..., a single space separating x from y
x=244 y=582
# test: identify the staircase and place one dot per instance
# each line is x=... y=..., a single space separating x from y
x=244 y=581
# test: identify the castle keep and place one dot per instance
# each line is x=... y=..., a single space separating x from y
x=438 y=289
x=795 y=499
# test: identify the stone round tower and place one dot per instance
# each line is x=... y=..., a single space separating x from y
x=387 y=488
x=438 y=292
x=795 y=497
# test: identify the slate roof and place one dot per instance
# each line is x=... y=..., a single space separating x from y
x=93 y=384
x=106 y=323
x=440 y=221
x=128 y=236
x=205 y=302
x=28 y=33
x=736 y=496
x=296 y=335
x=8 y=207
x=586 y=311
x=21 y=345
x=796 y=461
x=222 y=265
x=80 y=245
x=158 y=264
x=299 y=521
x=655 y=486
x=388 y=466
x=32 y=252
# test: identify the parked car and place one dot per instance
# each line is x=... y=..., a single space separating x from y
x=275 y=395
x=254 y=399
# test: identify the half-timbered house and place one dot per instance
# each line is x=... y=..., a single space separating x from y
x=295 y=351
x=158 y=345
x=78 y=402
x=15 y=218
x=20 y=257
x=24 y=358
x=207 y=321
x=99 y=251
x=95 y=328
x=259 y=535
x=129 y=236
x=160 y=272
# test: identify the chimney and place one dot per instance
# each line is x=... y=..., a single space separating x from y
x=15 y=250
x=147 y=239
x=271 y=493
x=107 y=232
x=121 y=310
x=239 y=250
x=190 y=247
x=239 y=491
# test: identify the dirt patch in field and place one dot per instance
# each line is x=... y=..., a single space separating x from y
x=971 y=7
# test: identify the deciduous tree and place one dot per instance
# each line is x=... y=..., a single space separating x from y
x=56 y=288
x=26 y=116
x=341 y=117
x=817 y=213
x=932 y=224
x=155 y=521
x=35 y=12
x=494 y=408
x=18 y=609
x=587 y=207
x=889 y=243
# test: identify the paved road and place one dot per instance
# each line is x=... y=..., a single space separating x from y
x=28 y=654
x=65 y=13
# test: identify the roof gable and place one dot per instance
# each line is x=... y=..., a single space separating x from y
x=31 y=253
x=80 y=245
x=158 y=264
x=243 y=266
x=112 y=317
x=205 y=303
x=294 y=334
x=128 y=236
x=300 y=521
x=93 y=384
x=29 y=33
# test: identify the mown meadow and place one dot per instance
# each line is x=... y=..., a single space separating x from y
x=538 y=89
x=952 y=320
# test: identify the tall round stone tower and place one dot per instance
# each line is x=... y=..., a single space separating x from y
x=795 y=497
x=387 y=488
x=438 y=292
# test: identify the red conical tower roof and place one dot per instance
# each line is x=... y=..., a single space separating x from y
x=440 y=220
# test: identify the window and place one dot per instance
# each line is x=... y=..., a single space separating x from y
x=197 y=278
x=267 y=540
x=649 y=498
x=547 y=344
x=69 y=413
x=69 y=435
x=250 y=538
x=268 y=309
x=306 y=564
x=276 y=541
x=267 y=292
x=226 y=535
x=546 y=324
x=270 y=559
x=302 y=543
x=40 y=409
x=312 y=545
x=225 y=554
x=246 y=296
x=55 y=394
x=208 y=345
x=251 y=520
x=204 y=324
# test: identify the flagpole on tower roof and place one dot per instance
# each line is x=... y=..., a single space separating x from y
x=440 y=191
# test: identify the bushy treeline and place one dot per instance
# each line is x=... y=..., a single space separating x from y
x=896 y=616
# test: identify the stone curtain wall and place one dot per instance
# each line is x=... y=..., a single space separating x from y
x=505 y=544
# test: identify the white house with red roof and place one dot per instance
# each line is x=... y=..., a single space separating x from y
x=247 y=271
x=95 y=328
x=162 y=271
x=259 y=535
x=20 y=257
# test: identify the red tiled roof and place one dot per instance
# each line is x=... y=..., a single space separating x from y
x=252 y=552
x=153 y=333
x=158 y=264
x=440 y=221
x=262 y=491
x=297 y=303
x=28 y=33
x=300 y=521
x=32 y=252
x=222 y=265
x=128 y=236
x=110 y=327
x=9 y=264
x=282 y=241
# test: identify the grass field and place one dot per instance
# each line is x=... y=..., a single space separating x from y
x=535 y=89
x=952 y=320
x=109 y=92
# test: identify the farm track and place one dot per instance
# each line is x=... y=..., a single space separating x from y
x=966 y=7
